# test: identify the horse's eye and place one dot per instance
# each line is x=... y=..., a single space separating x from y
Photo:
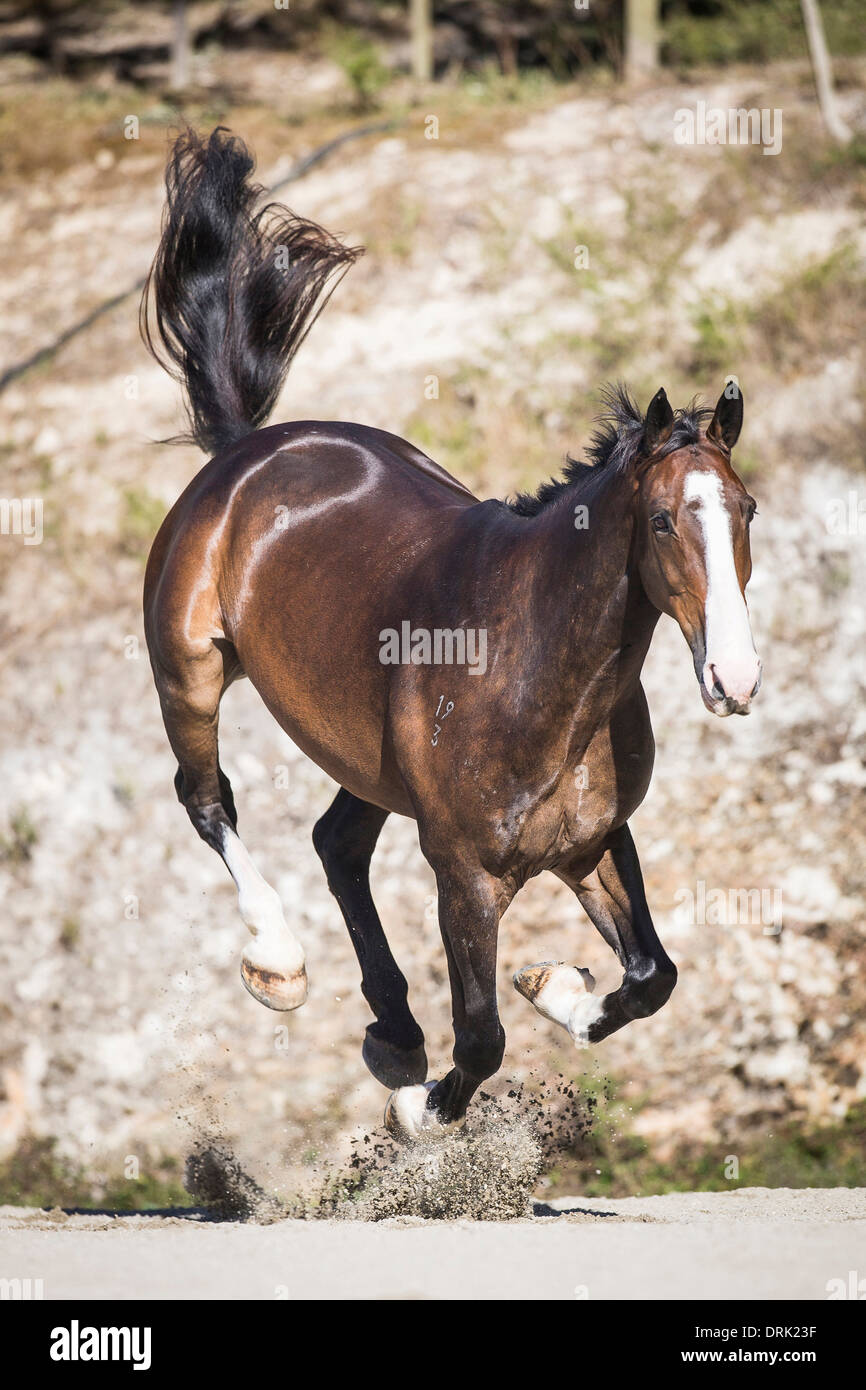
x=661 y=522
x=751 y=507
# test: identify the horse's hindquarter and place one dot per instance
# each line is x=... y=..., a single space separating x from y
x=324 y=523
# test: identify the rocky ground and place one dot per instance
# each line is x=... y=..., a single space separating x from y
x=124 y=1029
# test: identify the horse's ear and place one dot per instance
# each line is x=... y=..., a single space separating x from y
x=658 y=423
x=724 y=428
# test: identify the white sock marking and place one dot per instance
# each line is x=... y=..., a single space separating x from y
x=566 y=998
x=276 y=946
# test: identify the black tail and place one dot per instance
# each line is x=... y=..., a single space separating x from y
x=232 y=292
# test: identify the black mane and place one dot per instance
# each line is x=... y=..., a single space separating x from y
x=614 y=445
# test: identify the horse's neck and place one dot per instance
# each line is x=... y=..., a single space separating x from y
x=588 y=606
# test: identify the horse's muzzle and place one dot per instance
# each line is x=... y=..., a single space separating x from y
x=722 y=701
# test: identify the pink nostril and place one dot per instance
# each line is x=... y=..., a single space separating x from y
x=718 y=689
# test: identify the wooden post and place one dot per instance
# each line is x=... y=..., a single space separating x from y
x=820 y=56
x=641 y=38
x=421 y=22
x=180 y=49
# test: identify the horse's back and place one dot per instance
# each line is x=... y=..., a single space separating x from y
x=322 y=456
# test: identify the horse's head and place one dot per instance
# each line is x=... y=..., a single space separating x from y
x=694 y=554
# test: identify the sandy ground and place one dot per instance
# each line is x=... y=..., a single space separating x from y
x=755 y=1243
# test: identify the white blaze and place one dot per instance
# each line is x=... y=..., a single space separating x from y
x=731 y=659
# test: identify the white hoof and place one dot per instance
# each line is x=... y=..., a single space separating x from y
x=562 y=993
x=407 y=1117
x=276 y=978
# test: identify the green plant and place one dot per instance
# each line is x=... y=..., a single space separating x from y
x=717 y=338
x=611 y=1160
x=141 y=519
x=754 y=31
x=35 y=1175
x=361 y=63
x=17 y=846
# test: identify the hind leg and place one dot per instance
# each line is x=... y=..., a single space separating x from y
x=272 y=966
x=345 y=838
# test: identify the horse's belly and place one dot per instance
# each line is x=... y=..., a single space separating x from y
x=339 y=723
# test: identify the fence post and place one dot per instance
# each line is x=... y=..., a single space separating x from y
x=421 y=23
x=641 y=38
x=820 y=56
x=180 y=48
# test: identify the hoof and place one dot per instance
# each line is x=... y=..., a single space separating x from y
x=562 y=993
x=394 y=1066
x=271 y=987
x=408 y=1119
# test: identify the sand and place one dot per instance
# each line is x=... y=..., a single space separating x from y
x=754 y=1243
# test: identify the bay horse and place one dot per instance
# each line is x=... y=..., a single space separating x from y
x=333 y=563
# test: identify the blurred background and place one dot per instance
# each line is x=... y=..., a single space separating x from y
x=533 y=229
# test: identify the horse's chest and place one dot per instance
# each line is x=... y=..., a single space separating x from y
x=588 y=798
x=577 y=816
